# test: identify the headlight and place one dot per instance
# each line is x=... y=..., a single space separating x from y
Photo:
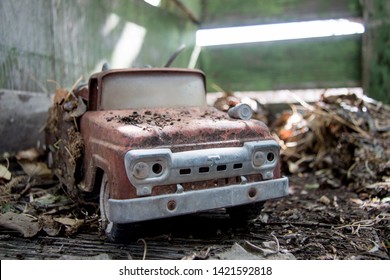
x=141 y=170
x=259 y=158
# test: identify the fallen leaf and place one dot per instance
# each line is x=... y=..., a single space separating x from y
x=28 y=226
x=356 y=201
x=69 y=221
x=324 y=200
x=51 y=227
x=31 y=154
x=71 y=225
x=312 y=186
x=4 y=173
x=35 y=169
x=45 y=200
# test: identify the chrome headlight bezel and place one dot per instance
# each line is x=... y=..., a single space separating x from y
x=147 y=167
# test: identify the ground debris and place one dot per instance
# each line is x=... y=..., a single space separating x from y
x=200 y=255
x=64 y=141
x=147 y=118
x=341 y=139
x=249 y=251
x=33 y=202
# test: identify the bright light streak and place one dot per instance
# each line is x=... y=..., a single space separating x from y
x=277 y=32
x=112 y=21
x=128 y=45
x=155 y=3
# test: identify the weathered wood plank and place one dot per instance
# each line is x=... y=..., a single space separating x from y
x=61 y=40
x=237 y=12
x=295 y=64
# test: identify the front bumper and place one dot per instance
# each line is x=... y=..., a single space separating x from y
x=157 y=207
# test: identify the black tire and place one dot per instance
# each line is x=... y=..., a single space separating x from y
x=243 y=215
x=114 y=232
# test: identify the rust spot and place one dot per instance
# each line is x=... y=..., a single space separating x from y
x=171 y=205
x=252 y=193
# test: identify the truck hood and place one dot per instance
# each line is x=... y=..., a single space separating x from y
x=177 y=129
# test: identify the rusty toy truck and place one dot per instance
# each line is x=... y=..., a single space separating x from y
x=147 y=140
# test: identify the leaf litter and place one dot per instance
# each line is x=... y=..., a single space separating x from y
x=32 y=200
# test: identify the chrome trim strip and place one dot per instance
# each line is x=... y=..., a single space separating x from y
x=156 y=207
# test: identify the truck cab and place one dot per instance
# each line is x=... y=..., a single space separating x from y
x=154 y=149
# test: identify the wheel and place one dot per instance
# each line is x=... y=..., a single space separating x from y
x=114 y=232
x=243 y=215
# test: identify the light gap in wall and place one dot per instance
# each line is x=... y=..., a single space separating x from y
x=279 y=31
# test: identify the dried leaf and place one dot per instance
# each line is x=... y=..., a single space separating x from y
x=31 y=154
x=312 y=186
x=4 y=173
x=356 y=201
x=71 y=225
x=51 y=227
x=60 y=95
x=28 y=226
x=324 y=200
x=69 y=221
x=35 y=169
x=46 y=200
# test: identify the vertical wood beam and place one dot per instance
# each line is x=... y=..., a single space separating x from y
x=376 y=49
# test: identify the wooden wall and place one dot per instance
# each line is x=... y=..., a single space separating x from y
x=61 y=40
x=294 y=64
x=376 y=49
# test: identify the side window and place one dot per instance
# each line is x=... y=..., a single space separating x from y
x=93 y=94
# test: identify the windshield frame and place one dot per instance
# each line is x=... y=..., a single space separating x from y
x=173 y=72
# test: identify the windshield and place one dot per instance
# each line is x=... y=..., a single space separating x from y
x=152 y=89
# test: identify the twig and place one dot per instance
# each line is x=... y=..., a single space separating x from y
x=71 y=156
x=145 y=248
x=365 y=224
x=379 y=184
x=54 y=82
x=368 y=169
x=302 y=224
x=73 y=87
x=25 y=190
x=277 y=242
x=187 y=12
